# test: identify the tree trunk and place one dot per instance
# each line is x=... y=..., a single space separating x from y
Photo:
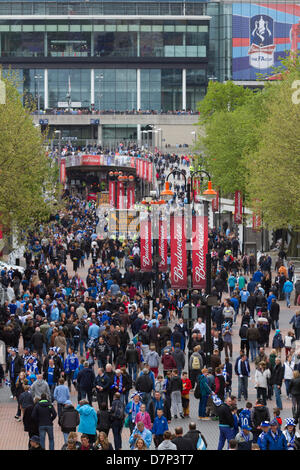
x=293 y=250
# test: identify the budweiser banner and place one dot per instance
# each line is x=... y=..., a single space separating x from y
x=130 y=196
x=163 y=245
x=132 y=162
x=120 y=195
x=112 y=195
x=215 y=203
x=238 y=207
x=145 y=170
x=178 y=253
x=199 y=250
x=146 y=245
x=63 y=170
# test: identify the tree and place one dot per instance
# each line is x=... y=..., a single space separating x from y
x=274 y=168
x=27 y=175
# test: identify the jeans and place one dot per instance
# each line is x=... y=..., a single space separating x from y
x=66 y=435
x=82 y=343
x=243 y=387
x=253 y=349
x=43 y=430
x=116 y=429
x=132 y=370
x=287 y=298
x=287 y=385
x=202 y=406
x=277 y=392
x=226 y=433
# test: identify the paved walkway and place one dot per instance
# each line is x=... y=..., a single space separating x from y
x=12 y=435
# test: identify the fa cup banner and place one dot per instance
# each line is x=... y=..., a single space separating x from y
x=146 y=245
x=199 y=250
x=163 y=245
x=238 y=207
x=112 y=189
x=178 y=253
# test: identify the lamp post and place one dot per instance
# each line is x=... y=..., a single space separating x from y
x=207 y=196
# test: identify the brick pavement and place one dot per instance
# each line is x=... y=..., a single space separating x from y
x=13 y=437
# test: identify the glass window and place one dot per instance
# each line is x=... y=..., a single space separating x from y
x=22 y=45
x=69 y=85
x=69 y=44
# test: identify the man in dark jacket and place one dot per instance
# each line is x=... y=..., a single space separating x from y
x=117 y=419
x=13 y=367
x=44 y=413
x=69 y=419
x=102 y=352
x=102 y=384
x=182 y=443
x=132 y=360
x=37 y=341
x=193 y=435
x=144 y=385
x=276 y=381
x=274 y=314
x=86 y=382
x=157 y=402
x=259 y=414
x=226 y=422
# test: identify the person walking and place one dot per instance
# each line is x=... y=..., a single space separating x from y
x=117 y=415
x=44 y=414
x=85 y=383
x=88 y=420
x=226 y=422
x=176 y=387
x=262 y=375
x=242 y=370
x=205 y=391
x=68 y=420
x=276 y=380
x=253 y=338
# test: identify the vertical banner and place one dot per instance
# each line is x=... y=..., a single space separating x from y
x=256 y=222
x=130 y=196
x=178 y=253
x=145 y=170
x=215 y=203
x=163 y=245
x=238 y=207
x=120 y=195
x=150 y=170
x=112 y=193
x=199 y=250
x=63 y=170
x=132 y=163
x=146 y=245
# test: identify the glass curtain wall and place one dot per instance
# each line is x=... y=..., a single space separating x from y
x=65 y=82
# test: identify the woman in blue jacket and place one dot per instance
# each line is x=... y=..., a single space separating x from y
x=88 y=420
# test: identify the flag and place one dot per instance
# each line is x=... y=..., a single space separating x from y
x=178 y=252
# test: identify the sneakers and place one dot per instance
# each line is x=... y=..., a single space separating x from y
x=17 y=418
x=175 y=416
x=182 y=415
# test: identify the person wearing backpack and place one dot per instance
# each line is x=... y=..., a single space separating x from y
x=195 y=365
x=117 y=414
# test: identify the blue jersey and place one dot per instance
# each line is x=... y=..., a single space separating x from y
x=245 y=417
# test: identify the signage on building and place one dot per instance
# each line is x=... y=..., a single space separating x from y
x=261 y=35
x=124 y=221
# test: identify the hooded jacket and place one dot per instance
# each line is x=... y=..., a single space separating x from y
x=88 y=419
x=69 y=419
x=44 y=413
x=167 y=445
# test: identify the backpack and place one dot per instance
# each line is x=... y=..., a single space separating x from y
x=197 y=393
x=118 y=411
x=196 y=362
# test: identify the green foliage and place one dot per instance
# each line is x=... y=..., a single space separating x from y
x=26 y=173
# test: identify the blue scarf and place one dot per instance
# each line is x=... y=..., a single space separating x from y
x=115 y=384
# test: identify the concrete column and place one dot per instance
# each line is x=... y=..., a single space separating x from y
x=92 y=44
x=99 y=138
x=46 y=99
x=138 y=89
x=92 y=86
x=183 y=88
x=45 y=44
x=139 y=134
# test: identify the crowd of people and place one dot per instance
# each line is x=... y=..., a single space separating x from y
x=127 y=359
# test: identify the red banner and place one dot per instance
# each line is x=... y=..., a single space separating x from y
x=238 y=207
x=256 y=222
x=63 y=170
x=178 y=253
x=112 y=190
x=91 y=160
x=163 y=245
x=120 y=195
x=132 y=162
x=150 y=170
x=215 y=203
x=146 y=245
x=145 y=170
x=130 y=196
x=199 y=250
